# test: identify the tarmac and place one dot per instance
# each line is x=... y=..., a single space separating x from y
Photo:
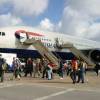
x=57 y=89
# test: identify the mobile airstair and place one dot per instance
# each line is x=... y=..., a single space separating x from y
x=44 y=51
x=77 y=53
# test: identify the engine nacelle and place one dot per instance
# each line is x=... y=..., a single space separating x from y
x=95 y=55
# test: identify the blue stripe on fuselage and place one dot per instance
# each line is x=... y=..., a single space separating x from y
x=22 y=53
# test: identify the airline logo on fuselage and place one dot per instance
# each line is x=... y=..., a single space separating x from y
x=33 y=34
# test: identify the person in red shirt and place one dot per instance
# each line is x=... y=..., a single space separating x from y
x=74 y=69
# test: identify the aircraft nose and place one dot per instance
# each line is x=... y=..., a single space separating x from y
x=17 y=35
x=21 y=35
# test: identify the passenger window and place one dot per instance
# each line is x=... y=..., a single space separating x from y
x=3 y=33
x=0 y=33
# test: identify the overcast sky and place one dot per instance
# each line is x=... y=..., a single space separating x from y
x=73 y=17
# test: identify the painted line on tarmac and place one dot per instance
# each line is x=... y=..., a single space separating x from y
x=89 y=90
x=54 y=94
x=46 y=86
x=9 y=85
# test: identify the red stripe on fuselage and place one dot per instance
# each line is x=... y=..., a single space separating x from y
x=20 y=31
x=29 y=33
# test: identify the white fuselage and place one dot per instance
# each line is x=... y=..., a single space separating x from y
x=8 y=39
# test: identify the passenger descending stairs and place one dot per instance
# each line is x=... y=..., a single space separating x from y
x=78 y=53
x=44 y=51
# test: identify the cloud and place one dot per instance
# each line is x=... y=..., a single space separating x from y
x=81 y=18
x=93 y=31
x=46 y=24
x=13 y=11
x=9 y=20
x=3 y=1
x=90 y=7
x=25 y=7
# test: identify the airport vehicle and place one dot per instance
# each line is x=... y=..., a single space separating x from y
x=12 y=38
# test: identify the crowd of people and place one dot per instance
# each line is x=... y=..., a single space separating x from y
x=76 y=69
x=33 y=67
x=42 y=68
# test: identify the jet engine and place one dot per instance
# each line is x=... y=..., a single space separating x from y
x=95 y=55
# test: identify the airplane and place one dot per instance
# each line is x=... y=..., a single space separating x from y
x=11 y=39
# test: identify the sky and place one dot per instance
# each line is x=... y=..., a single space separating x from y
x=79 y=18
